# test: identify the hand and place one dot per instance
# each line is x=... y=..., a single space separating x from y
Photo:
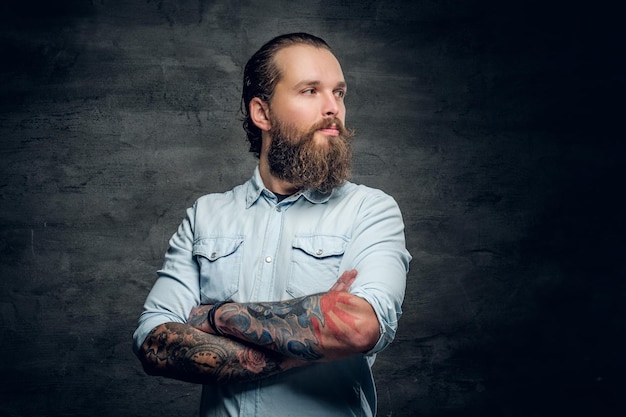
x=345 y=281
x=198 y=318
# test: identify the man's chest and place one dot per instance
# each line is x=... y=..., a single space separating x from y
x=271 y=255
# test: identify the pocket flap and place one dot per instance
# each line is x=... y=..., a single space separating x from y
x=216 y=248
x=321 y=246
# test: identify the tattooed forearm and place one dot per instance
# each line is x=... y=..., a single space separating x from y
x=288 y=327
x=318 y=327
x=179 y=351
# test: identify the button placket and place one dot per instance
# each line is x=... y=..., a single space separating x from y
x=263 y=288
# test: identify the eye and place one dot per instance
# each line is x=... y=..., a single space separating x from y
x=309 y=91
x=340 y=93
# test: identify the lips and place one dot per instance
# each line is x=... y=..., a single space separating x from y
x=332 y=130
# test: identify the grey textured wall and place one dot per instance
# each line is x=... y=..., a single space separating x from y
x=494 y=124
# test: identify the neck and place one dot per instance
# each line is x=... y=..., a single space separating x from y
x=273 y=183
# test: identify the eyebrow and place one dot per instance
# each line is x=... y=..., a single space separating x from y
x=315 y=83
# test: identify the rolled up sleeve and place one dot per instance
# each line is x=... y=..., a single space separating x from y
x=177 y=288
x=378 y=252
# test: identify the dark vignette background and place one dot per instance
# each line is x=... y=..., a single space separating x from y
x=493 y=124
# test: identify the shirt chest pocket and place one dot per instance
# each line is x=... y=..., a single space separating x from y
x=219 y=260
x=315 y=263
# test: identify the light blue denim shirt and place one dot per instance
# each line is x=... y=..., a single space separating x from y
x=244 y=245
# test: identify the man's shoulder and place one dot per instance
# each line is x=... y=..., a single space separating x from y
x=361 y=198
x=234 y=195
x=352 y=190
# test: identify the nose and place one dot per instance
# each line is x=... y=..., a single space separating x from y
x=330 y=105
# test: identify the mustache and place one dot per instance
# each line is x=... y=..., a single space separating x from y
x=328 y=123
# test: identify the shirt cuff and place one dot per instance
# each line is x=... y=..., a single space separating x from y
x=387 y=327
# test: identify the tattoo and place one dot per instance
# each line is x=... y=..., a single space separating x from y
x=198 y=318
x=292 y=328
x=179 y=351
x=338 y=319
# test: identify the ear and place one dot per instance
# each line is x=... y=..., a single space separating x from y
x=259 y=113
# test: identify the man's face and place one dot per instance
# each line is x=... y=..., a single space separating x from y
x=309 y=144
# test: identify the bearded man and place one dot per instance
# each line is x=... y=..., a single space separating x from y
x=278 y=294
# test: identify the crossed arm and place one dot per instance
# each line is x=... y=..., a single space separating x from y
x=262 y=339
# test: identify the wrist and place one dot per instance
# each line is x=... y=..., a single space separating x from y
x=211 y=317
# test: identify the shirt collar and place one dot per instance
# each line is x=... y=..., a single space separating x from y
x=256 y=188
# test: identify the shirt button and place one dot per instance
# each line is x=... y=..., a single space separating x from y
x=268 y=259
x=319 y=252
x=278 y=209
x=213 y=255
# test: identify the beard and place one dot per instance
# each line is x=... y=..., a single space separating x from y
x=295 y=157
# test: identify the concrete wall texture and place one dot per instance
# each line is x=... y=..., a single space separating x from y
x=493 y=124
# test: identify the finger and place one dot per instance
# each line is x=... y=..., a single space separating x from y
x=345 y=281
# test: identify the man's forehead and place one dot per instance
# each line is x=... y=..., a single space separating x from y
x=308 y=64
